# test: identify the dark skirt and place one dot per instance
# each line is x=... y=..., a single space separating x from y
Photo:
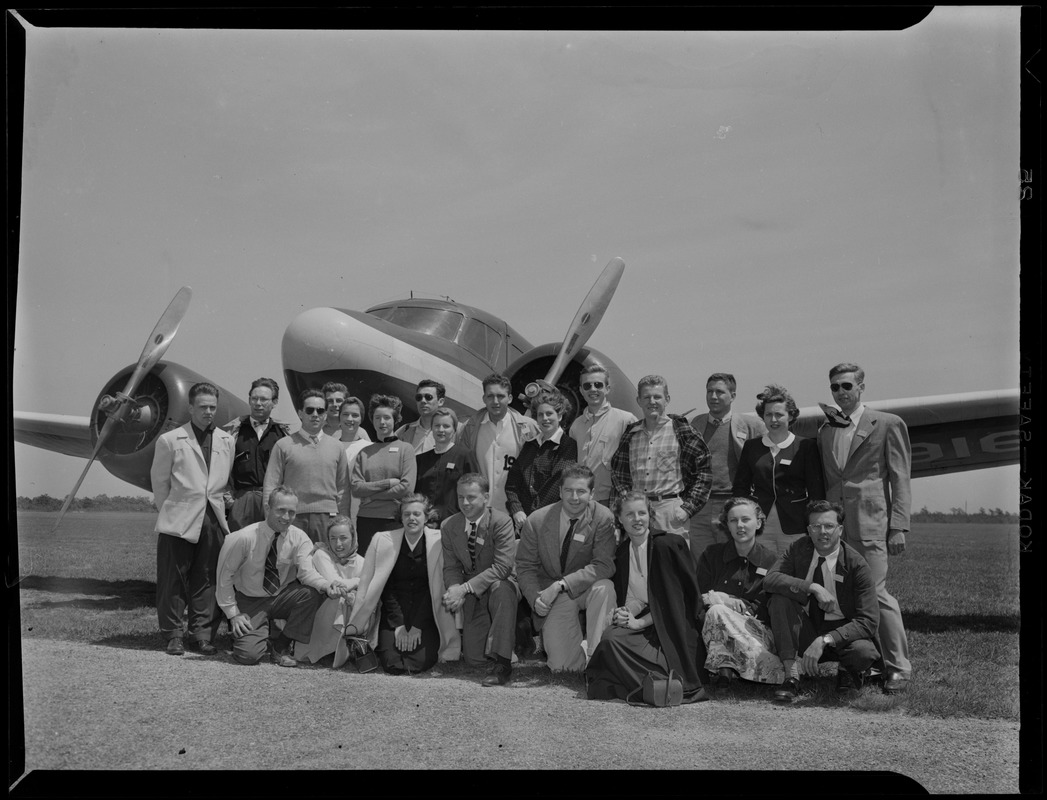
x=621 y=661
x=420 y=659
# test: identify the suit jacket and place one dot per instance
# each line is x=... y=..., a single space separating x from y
x=495 y=551
x=590 y=556
x=526 y=429
x=378 y=566
x=787 y=483
x=183 y=484
x=873 y=486
x=533 y=480
x=743 y=428
x=855 y=588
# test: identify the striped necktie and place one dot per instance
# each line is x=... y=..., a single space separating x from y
x=472 y=544
x=271 y=579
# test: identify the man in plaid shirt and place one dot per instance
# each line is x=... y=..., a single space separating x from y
x=664 y=457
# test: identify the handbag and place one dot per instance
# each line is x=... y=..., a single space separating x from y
x=657 y=691
x=361 y=654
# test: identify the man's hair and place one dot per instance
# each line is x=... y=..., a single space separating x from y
x=577 y=471
x=839 y=369
x=331 y=387
x=500 y=380
x=555 y=399
x=478 y=479
x=651 y=380
x=629 y=497
x=352 y=401
x=773 y=393
x=281 y=489
x=446 y=412
x=307 y=393
x=198 y=389
x=742 y=501
x=267 y=383
x=821 y=506
x=589 y=369
x=440 y=390
x=726 y=377
x=390 y=401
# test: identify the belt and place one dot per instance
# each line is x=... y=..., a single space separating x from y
x=657 y=497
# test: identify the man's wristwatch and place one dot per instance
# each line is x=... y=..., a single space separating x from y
x=827 y=640
x=563 y=585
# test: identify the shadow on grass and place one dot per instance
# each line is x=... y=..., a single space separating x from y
x=927 y=622
x=112 y=595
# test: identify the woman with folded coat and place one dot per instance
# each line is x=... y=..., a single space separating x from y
x=440 y=468
x=781 y=470
x=654 y=629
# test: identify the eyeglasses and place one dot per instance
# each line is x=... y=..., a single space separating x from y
x=837 y=386
x=825 y=527
x=419 y=397
x=317 y=410
x=593 y=385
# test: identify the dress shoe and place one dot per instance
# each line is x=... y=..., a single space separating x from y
x=175 y=647
x=203 y=648
x=847 y=683
x=497 y=675
x=896 y=683
x=281 y=659
x=724 y=677
x=788 y=691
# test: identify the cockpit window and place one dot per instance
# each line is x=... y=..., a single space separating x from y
x=433 y=321
x=482 y=339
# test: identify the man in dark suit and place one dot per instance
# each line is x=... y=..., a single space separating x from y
x=564 y=561
x=822 y=603
x=479 y=546
x=866 y=459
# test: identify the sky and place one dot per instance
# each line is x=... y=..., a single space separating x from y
x=783 y=201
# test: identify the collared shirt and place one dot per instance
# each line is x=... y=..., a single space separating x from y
x=421 y=439
x=654 y=460
x=598 y=436
x=828 y=577
x=777 y=448
x=717 y=436
x=260 y=427
x=497 y=447
x=203 y=438
x=844 y=436
x=636 y=596
x=241 y=563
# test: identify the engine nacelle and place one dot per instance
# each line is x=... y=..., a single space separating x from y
x=534 y=365
x=161 y=403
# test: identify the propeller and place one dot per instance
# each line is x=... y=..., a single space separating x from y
x=118 y=408
x=590 y=312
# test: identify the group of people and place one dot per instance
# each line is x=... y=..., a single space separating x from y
x=719 y=549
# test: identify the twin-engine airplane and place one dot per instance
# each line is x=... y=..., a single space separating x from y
x=390 y=347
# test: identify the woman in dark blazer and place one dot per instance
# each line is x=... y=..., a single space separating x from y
x=781 y=470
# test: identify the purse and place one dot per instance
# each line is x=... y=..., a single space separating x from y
x=360 y=653
x=657 y=691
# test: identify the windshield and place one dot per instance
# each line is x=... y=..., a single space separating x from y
x=433 y=321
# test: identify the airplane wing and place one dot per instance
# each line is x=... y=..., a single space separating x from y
x=948 y=432
x=56 y=432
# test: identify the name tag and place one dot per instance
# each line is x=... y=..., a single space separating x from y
x=394 y=449
x=450 y=465
x=838 y=578
x=579 y=537
x=479 y=541
x=761 y=570
x=786 y=462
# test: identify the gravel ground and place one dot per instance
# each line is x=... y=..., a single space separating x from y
x=97 y=707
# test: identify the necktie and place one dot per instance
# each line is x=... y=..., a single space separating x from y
x=472 y=544
x=566 y=545
x=271 y=579
x=816 y=613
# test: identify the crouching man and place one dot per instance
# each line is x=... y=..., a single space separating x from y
x=823 y=605
x=265 y=573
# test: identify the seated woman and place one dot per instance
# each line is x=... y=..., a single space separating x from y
x=781 y=470
x=440 y=468
x=534 y=478
x=384 y=471
x=735 y=630
x=403 y=572
x=337 y=561
x=654 y=628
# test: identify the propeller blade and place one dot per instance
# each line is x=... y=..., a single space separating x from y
x=155 y=347
x=590 y=312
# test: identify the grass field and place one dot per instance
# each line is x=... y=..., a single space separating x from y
x=93 y=581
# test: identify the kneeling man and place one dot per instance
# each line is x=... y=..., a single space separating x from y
x=823 y=605
x=564 y=561
x=479 y=551
x=265 y=572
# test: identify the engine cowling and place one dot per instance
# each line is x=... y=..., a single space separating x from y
x=534 y=365
x=161 y=404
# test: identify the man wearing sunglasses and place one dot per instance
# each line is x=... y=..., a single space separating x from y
x=599 y=428
x=314 y=465
x=866 y=458
x=428 y=398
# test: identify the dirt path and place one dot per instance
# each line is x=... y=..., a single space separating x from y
x=97 y=707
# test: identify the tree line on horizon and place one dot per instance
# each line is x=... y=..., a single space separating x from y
x=143 y=503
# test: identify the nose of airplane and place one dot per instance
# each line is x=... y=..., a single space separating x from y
x=322 y=339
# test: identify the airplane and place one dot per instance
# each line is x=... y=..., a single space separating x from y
x=390 y=347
